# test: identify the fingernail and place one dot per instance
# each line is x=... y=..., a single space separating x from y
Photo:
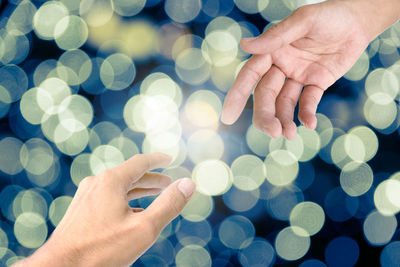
x=187 y=187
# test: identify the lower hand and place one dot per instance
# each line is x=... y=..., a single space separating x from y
x=100 y=229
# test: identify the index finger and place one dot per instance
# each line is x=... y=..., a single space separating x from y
x=243 y=86
x=134 y=168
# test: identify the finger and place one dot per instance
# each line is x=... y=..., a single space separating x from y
x=142 y=192
x=134 y=168
x=152 y=180
x=309 y=100
x=243 y=86
x=283 y=33
x=264 y=102
x=285 y=105
x=170 y=203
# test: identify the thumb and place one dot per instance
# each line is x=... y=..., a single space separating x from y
x=291 y=29
x=170 y=203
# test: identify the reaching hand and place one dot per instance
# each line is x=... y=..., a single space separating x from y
x=311 y=48
x=100 y=229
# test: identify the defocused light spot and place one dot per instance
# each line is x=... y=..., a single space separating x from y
x=152 y=114
x=74 y=67
x=326 y=151
x=199 y=207
x=177 y=151
x=369 y=140
x=162 y=250
x=96 y=13
x=311 y=143
x=212 y=177
x=385 y=197
x=205 y=144
x=177 y=172
x=281 y=200
x=359 y=69
x=379 y=229
x=258 y=253
x=105 y=157
x=20 y=21
x=196 y=233
x=182 y=11
x=291 y=246
x=224 y=76
x=58 y=208
x=47 y=17
x=282 y=167
x=128 y=8
x=9 y=155
x=338 y=151
x=193 y=255
x=117 y=72
x=102 y=133
x=312 y=263
x=380 y=110
x=236 y=232
x=225 y=24
x=3 y=240
x=241 y=201
x=356 y=178
x=36 y=156
x=324 y=129
x=80 y=168
x=307 y=216
x=159 y=83
x=274 y=10
x=29 y=201
x=13 y=83
x=48 y=177
x=30 y=229
x=248 y=172
x=219 y=48
x=257 y=141
x=38 y=103
x=342 y=251
x=125 y=145
x=382 y=81
x=390 y=255
x=251 y=7
x=71 y=32
x=192 y=67
x=203 y=108
x=339 y=206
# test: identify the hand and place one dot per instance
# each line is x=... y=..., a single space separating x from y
x=311 y=48
x=100 y=229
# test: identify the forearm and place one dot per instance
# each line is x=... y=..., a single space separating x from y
x=375 y=15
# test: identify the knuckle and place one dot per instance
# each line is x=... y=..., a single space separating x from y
x=105 y=174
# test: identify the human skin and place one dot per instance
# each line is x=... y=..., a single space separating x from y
x=100 y=229
x=311 y=49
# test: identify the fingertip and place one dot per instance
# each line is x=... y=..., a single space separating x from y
x=187 y=187
x=289 y=130
x=164 y=157
x=308 y=120
x=272 y=127
x=226 y=118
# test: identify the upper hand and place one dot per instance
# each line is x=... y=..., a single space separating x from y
x=311 y=48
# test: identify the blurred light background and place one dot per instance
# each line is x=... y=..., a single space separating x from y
x=84 y=85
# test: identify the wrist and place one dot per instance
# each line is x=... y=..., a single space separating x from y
x=49 y=255
x=375 y=15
